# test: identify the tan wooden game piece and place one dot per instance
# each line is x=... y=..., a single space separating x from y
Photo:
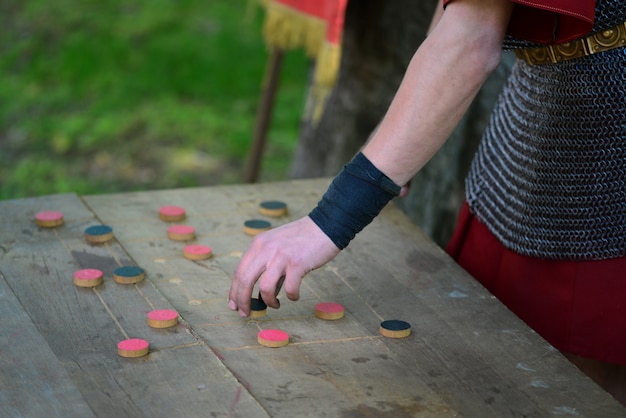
x=256 y=226
x=134 y=347
x=162 y=318
x=181 y=232
x=172 y=213
x=197 y=252
x=98 y=234
x=395 y=329
x=329 y=311
x=273 y=338
x=88 y=278
x=128 y=274
x=258 y=308
x=49 y=219
x=273 y=208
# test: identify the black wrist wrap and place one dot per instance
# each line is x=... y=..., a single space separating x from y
x=353 y=199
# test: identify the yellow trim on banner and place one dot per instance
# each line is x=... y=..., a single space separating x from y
x=324 y=77
x=287 y=28
x=327 y=64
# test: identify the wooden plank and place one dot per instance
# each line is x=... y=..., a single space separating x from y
x=33 y=382
x=17 y=223
x=347 y=377
x=468 y=354
x=81 y=328
x=475 y=353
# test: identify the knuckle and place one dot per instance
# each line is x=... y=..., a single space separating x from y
x=259 y=241
x=264 y=288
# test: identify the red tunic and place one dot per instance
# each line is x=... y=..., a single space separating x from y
x=577 y=306
x=550 y=21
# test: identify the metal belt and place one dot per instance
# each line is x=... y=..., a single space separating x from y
x=602 y=41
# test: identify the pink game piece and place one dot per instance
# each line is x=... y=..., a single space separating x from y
x=197 y=252
x=162 y=318
x=88 y=274
x=273 y=338
x=49 y=219
x=172 y=213
x=329 y=311
x=134 y=347
x=181 y=232
x=88 y=278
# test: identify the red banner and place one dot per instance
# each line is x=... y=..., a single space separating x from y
x=314 y=25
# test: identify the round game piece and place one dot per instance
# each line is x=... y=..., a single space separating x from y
x=273 y=338
x=395 y=329
x=197 y=252
x=88 y=278
x=98 y=234
x=181 y=232
x=256 y=226
x=172 y=213
x=273 y=208
x=162 y=318
x=329 y=311
x=128 y=274
x=134 y=347
x=258 y=308
x=49 y=219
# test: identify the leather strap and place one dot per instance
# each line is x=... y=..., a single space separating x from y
x=602 y=41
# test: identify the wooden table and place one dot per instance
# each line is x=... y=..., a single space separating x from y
x=467 y=355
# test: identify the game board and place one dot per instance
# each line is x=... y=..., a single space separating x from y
x=466 y=354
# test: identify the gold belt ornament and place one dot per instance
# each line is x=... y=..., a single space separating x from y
x=598 y=42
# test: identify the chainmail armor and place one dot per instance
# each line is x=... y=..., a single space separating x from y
x=549 y=178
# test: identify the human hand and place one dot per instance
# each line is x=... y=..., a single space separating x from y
x=286 y=253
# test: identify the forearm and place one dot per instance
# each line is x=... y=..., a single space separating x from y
x=441 y=81
x=443 y=77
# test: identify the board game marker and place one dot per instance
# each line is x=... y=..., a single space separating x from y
x=98 y=234
x=273 y=208
x=329 y=311
x=172 y=213
x=133 y=347
x=197 y=252
x=256 y=226
x=49 y=219
x=273 y=338
x=181 y=232
x=88 y=278
x=128 y=274
x=395 y=329
x=258 y=308
x=162 y=318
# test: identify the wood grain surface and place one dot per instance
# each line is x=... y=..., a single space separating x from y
x=467 y=354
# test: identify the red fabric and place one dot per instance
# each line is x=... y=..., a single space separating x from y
x=311 y=7
x=550 y=21
x=335 y=11
x=577 y=306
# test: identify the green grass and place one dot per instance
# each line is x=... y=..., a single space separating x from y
x=120 y=95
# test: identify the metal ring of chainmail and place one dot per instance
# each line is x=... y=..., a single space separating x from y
x=549 y=178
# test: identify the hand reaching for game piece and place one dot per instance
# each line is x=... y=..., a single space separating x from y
x=291 y=250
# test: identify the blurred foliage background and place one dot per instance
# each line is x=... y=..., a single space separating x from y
x=120 y=95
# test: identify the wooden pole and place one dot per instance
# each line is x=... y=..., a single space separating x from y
x=264 y=114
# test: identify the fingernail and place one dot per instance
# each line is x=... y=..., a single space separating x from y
x=242 y=314
x=232 y=305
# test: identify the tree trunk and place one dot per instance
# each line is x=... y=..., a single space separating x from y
x=379 y=40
